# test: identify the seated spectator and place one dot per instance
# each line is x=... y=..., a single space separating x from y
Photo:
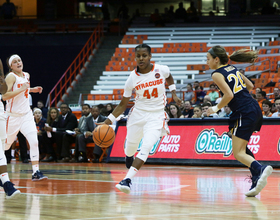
x=276 y=94
x=227 y=111
x=207 y=99
x=66 y=121
x=197 y=112
x=199 y=94
x=213 y=94
x=254 y=96
x=52 y=120
x=277 y=106
x=195 y=84
x=175 y=112
x=204 y=108
x=261 y=97
x=44 y=110
x=188 y=111
x=40 y=124
x=85 y=138
x=258 y=89
x=189 y=95
x=109 y=109
x=266 y=106
x=86 y=113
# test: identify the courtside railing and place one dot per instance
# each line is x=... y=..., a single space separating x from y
x=74 y=69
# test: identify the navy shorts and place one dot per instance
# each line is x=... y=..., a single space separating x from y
x=244 y=122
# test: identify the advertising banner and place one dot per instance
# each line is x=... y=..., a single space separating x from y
x=205 y=142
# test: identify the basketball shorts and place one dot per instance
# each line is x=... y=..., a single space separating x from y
x=140 y=121
x=243 y=123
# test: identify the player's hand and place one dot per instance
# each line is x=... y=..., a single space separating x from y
x=38 y=89
x=107 y=121
x=177 y=100
x=210 y=111
x=87 y=134
x=25 y=86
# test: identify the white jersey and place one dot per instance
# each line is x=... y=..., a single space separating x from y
x=149 y=88
x=20 y=103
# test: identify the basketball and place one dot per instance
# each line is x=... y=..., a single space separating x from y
x=103 y=135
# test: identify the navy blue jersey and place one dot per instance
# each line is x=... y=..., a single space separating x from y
x=233 y=78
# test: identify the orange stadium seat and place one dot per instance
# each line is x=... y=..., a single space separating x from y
x=121 y=68
x=274 y=50
x=264 y=75
x=167 y=50
x=128 y=36
x=272 y=80
x=137 y=41
x=116 y=59
x=129 y=58
x=168 y=45
x=277 y=42
x=156 y=50
x=131 y=50
x=178 y=49
x=143 y=37
x=180 y=45
x=273 y=75
x=277 y=85
x=262 y=51
x=118 y=91
x=113 y=63
x=190 y=49
x=127 y=41
x=109 y=68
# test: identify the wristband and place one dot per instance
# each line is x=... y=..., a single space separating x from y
x=112 y=118
x=215 y=108
x=172 y=87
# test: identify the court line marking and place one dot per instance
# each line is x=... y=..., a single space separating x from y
x=169 y=189
x=174 y=215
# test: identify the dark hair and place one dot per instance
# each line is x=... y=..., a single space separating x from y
x=263 y=93
x=278 y=98
x=243 y=55
x=179 y=113
x=198 y=106
x=206 y=104
x=267 y=103
x=212 y=85
x=86 y=105
x=140 y=46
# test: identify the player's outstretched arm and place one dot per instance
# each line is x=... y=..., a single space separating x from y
x=172 y=88
x=37 y=89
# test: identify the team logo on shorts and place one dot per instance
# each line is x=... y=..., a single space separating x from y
x=157 y=75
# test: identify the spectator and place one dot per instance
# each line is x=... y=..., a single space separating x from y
x=276 y=94
x=175 y=112
x=197 y=112
x=228 y=111
x=254 y=96
x=204 y=109
x=195 y=84
x=109 y=109
x=267 y=105
x=40 y=124
x=207 y=99
x=181 y=12
x=261 y=97
x=166 y=17
x=258 y=89
x=40 y=105
x=213 y=94
x=188 y=111
x=82 y=140
x=86 y=113
x=171 y=12
x=192 y=13
x=52 y=120
x=277 y=105
x=8 y=10
x=156 y=18
x=66 y=121
x=189 y=95
x=199 y=94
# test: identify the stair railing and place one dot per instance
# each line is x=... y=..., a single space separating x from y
x=75 y=67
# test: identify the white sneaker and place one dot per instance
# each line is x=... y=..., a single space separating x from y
x=261 y=181
x=124 y=186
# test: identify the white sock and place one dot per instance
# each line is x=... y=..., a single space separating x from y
x=35 y=168
x=4 y=177
x=131 y=172
x=13 y=153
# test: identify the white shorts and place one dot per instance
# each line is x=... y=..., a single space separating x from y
x=24 y=123
x=140 y=122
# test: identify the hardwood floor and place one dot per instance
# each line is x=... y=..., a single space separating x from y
x=87 y=191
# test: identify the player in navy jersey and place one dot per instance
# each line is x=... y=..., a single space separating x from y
x=246 y=114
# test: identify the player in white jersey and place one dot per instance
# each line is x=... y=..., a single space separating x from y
x=4 y=177
x=20 y=117
x=147 y=119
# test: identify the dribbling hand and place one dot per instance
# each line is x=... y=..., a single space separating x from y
x=210 y=111
x=177 y=100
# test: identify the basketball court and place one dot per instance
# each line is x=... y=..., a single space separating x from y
x=87 y=191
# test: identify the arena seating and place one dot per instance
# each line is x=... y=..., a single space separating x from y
x=184 y=49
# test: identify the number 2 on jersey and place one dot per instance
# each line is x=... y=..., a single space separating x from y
x=239 y=84
x=148 y=95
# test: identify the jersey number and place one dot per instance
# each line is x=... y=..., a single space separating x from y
x=26 y=93
x=148 y=95
x=238 y=82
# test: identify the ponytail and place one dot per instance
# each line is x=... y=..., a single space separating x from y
x=244 y=55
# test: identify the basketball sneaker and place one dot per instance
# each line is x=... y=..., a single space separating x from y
x=1 y=183
x=38 y=175
x=10 y=190
x=124 y=186
x=259 y=182
x=129 y=161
